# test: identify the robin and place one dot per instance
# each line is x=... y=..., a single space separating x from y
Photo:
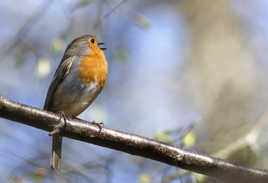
x=78 y=80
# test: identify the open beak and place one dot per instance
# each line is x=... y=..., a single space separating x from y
x=99 y=44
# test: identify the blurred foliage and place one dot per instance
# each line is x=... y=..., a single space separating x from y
x=19 y=61
x=18 y=180
x=145 y=178
x=163 y=137
x=189 y=139
x=58 y=45
x=121 y=53
x=38 y=174
x=43 y=67
x=142 y=21
x=178 y=137
x=200 y=177
x=83 y=3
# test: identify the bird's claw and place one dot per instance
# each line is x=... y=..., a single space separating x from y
x=59 y=127
x=100 y=125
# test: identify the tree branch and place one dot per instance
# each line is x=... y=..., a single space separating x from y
x=132 y=144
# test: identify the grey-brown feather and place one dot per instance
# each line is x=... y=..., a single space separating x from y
x=60 y=74
x=55 y=161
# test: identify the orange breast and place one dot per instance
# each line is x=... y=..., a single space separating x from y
x=94 y=68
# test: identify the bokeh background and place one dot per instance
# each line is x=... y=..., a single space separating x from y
x=189 y=72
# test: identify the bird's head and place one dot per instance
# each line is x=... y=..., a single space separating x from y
x=84 y=45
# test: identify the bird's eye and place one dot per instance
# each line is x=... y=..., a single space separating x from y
x=92 y=41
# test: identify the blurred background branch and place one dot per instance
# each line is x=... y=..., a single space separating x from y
x=27 y=26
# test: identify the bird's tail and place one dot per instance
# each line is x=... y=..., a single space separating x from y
x=55 y=162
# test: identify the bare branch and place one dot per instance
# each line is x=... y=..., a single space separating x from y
x=132 y=144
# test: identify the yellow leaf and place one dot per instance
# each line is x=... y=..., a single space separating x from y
x=145 y=178
x=162 y=137
x=189 y=139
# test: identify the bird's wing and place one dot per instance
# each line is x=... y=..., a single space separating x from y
x=61 y=72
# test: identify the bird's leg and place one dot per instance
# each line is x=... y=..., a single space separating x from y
x=59 y=127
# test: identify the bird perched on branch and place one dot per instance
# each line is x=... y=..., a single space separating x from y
x=77 y=81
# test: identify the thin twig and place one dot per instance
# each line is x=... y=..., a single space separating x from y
x=113 y=9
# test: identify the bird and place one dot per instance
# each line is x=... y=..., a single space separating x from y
x=78 y=80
